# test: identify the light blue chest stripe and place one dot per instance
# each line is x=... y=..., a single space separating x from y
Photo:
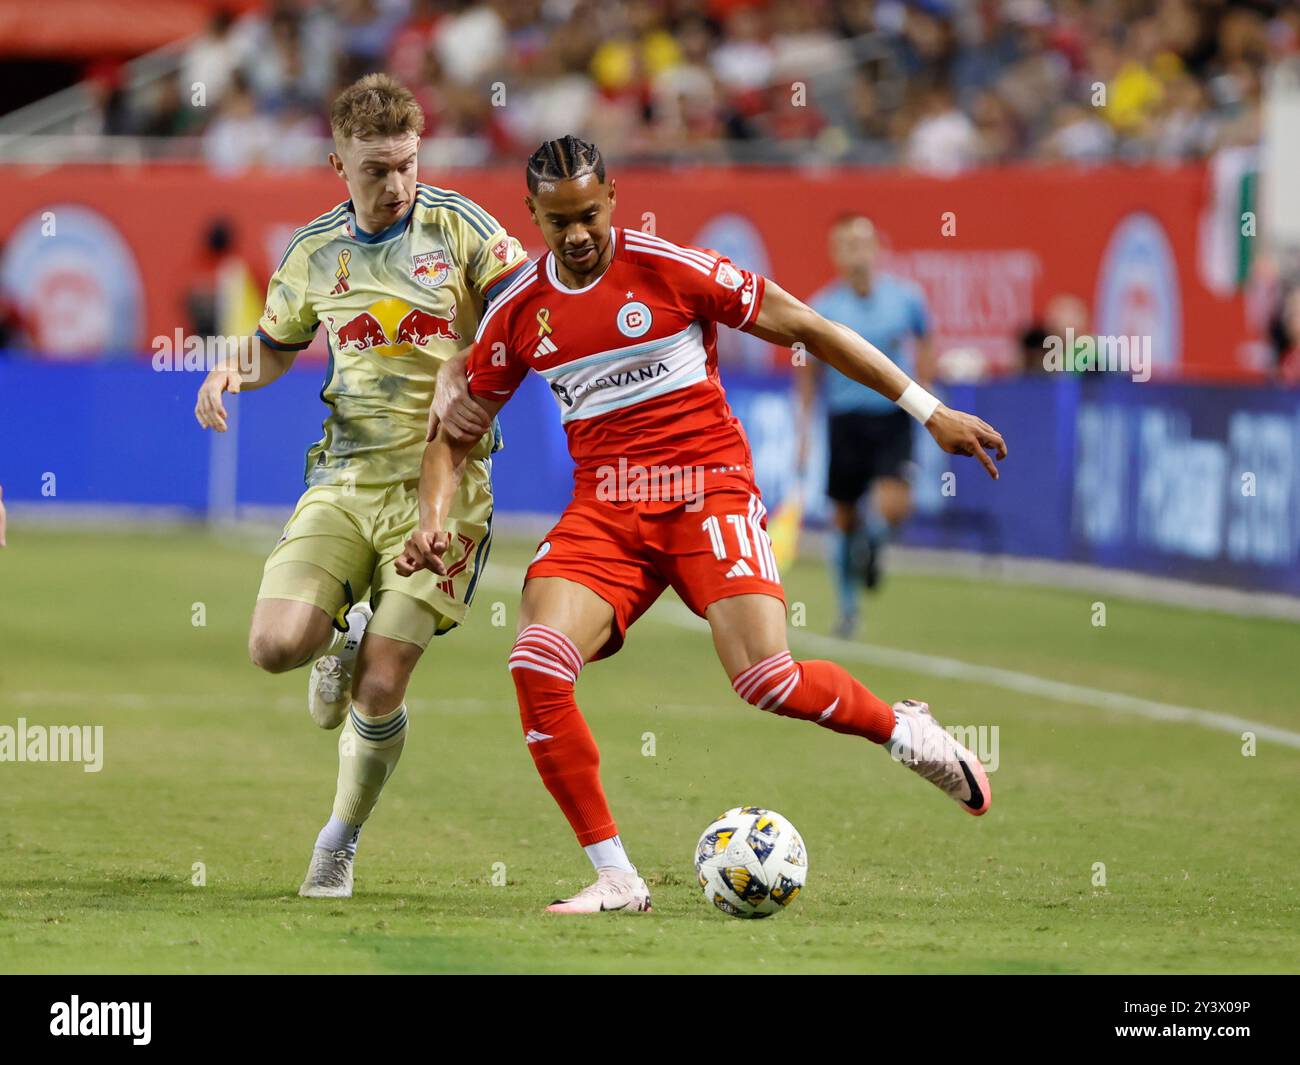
x=671 y=385
x=620 y=353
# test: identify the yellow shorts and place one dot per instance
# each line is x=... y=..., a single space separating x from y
x=355 y=534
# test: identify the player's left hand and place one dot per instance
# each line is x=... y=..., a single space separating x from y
x=424 y=550
x=2 y=517
x=959 y=433
x=455 y=408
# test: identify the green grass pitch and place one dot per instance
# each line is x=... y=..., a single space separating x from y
x=207 y=760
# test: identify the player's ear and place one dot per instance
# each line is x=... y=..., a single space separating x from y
x=531 y=204
x=336 y=161
x=613 y=195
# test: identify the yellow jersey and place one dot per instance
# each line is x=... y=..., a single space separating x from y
x=395 y=306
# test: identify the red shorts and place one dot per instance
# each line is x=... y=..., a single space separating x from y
x=627 y=553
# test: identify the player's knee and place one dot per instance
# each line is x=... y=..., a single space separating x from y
x=767 y=682
x=541 y=649
x=274 y=653
x=894 y=501
x=379 y=690
x=896 y=510
x=544 y=664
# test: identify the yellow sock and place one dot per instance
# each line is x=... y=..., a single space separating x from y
x=369 y=748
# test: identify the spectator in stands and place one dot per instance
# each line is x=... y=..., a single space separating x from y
x=1078 y=135
x=943 y=140
x=1064 y=317
x=933 y=84
x=202 y=300
x=212 y=60
x=1284 y=331
x=15 y=332
x=167 y=112
x=110 y=113
x=241 y=136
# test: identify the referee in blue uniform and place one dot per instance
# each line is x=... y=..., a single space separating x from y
x=870 y=437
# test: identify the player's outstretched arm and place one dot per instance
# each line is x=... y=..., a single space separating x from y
x=454 y=407
x=440 y=476
x=270 y=364
x=784 y=320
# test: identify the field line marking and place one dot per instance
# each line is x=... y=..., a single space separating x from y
x=677 y=615
x=39 y=700
x=1062 y=691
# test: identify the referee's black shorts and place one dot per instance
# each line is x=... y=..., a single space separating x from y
x=866 y=446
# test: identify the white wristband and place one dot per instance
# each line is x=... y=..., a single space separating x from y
x=918 y=402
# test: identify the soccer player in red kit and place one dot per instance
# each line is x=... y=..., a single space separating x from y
x=623 y=325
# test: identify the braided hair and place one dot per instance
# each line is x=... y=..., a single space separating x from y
x=562 y=159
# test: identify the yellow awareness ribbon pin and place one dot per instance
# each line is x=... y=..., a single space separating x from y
x=543 y=321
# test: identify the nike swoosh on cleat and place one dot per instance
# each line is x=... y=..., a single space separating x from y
x=976 y=799
x=614 y=909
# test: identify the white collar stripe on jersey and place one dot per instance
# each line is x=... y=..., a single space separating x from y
x=750 y=309
x=663 y=242
x=694 y=264
x=561 y=287
x=636 y=238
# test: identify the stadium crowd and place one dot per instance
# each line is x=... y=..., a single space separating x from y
x=936 y=85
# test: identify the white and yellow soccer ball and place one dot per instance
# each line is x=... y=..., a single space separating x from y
x=751 y=862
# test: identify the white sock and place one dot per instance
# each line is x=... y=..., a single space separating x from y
x=339 y=835
x=901 y=738
x=609 y=854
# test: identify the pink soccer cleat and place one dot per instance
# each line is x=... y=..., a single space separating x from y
x=922 y=744
x=615 y=891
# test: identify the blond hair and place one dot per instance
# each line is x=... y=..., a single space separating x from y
x=375 y=106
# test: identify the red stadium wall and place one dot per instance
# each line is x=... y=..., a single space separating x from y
x=93 y=28
x=990 y=249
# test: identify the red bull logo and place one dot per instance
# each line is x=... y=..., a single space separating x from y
x=391 y=327
x=430 y=268
x=362 y=332
x=420 y=327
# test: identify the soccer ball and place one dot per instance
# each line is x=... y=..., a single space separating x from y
x=751 y=862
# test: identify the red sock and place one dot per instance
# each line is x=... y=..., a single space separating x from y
x=545 y=665
x=821 y=692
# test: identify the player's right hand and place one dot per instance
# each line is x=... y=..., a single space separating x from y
x=454 y=409
x=424 y=550
x=209 y=410
x=959 y=433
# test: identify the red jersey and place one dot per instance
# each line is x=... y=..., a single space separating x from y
x=631 y=358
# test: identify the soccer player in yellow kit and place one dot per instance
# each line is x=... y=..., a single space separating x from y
x=398 y=276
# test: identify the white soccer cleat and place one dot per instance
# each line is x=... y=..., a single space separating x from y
x=329 y=685
x=329 y=876
x=615 y=891
x=926 y=748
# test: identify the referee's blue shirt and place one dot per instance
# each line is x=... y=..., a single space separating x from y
x=891 y=317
